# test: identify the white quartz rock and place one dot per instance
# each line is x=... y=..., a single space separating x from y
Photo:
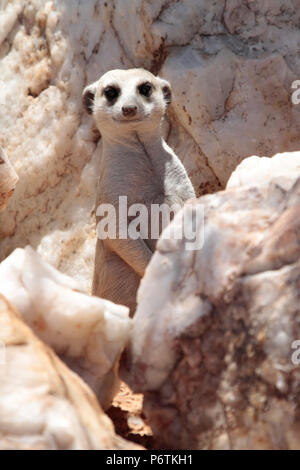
x=215 y=338
x=43 y=404
x=88 y=333
x=283 y=168
x=8 y=179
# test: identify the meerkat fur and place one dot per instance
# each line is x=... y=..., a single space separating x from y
x=128 y=107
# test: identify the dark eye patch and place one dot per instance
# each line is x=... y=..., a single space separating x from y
x=111 y=93
x=88 y=101
x=145 y=89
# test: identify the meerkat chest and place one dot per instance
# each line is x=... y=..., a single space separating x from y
x=145 y=178
x=129 y=173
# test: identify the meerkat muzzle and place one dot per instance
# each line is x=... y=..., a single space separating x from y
x=129 y=111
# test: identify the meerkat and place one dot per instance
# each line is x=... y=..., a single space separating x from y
x=128 y=107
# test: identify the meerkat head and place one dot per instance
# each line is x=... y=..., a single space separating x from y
x=125 y=100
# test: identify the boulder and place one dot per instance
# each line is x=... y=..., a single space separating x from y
x=215 y=345
x=87 y=333
x=283 y=168
x=8 y=179
x=43 y=405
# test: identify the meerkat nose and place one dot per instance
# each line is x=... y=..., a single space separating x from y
x=129 y=110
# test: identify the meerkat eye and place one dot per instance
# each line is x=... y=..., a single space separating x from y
x=145 y=89
x=111 y=93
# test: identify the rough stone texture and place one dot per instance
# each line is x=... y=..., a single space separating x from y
x=8 y=179
x=43 y=405
x=87 y=333
x=283 y=168
x=231 y=64
x=212 y=339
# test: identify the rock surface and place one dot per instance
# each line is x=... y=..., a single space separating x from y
x=43 y=405
x=283 y=168
x=87 y=333
x=8 y=179
x=213 y=336
x=231 y=64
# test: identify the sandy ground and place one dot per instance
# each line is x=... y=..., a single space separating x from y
x=128 y=418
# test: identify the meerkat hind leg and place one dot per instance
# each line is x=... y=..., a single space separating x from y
x=114 y=279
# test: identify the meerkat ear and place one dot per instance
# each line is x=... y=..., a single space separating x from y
x=166 y=89
x=88 y=96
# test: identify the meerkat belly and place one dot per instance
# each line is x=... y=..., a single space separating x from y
x=152 y=214
x=150 y=194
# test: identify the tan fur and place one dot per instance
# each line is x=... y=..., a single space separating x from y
x=137 y=163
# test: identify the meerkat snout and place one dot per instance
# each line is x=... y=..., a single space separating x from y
x=129 y=110
x=127 y=98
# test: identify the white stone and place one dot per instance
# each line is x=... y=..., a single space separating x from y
x=213 y=335
x=283 y=168
x=43 y=405
x=8 y=179
x=87 y=333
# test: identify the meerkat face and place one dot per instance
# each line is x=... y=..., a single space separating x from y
x=127 y=99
